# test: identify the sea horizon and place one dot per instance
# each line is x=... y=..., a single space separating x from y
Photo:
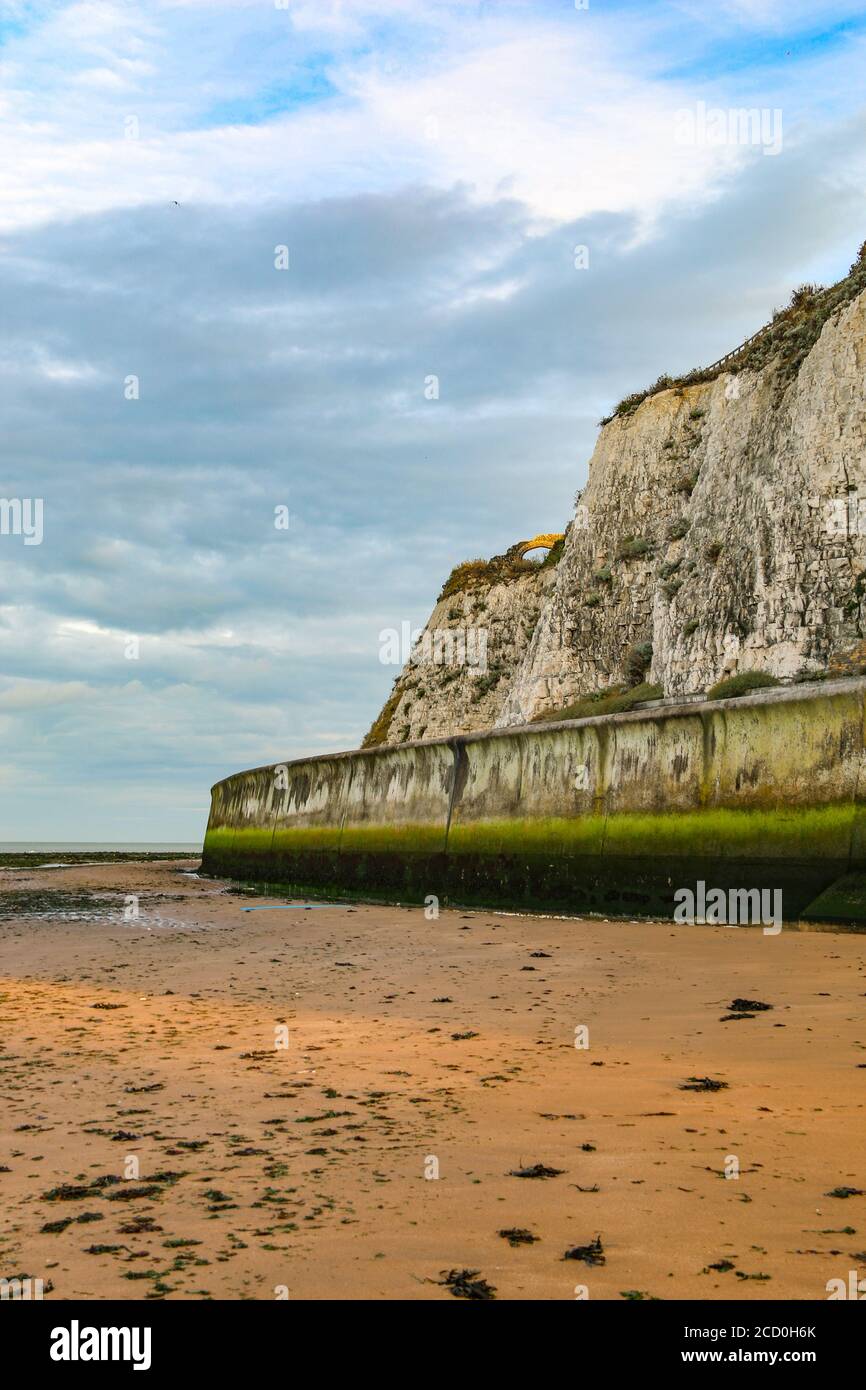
x=101 y=846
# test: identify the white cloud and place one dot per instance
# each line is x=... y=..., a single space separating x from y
x=570 y=112
x=32 y=694
x=432 y=167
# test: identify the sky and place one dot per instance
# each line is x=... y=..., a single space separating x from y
x=239 y=240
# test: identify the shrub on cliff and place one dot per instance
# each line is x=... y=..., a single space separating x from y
x=554 y=554
x=740 y=684
x=633 y=548
x=791 y=333
x=500 y=569
x=463 y=577
x=616 y=699
x=803 y=295
x=686 y=481
x=637 y=661
x=484 y=684
x=629 y=404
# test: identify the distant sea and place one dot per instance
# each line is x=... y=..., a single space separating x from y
x=99 y=846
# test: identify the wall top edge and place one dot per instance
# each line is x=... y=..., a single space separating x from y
x=805 y=693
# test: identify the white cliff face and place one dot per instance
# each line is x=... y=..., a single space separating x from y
x=466 y=659
x=719 y=523
x=757 y=474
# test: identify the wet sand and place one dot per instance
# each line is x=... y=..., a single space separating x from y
x=268 y=1169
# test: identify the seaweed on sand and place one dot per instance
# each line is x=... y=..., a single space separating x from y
x=592 y=1254
x=537 y=1170
x=465 y=1283
x=516 y=1235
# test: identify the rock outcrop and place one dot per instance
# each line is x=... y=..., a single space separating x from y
x=722 y=529
x=470 y=653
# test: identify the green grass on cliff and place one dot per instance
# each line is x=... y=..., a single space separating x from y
x=378 y=731
x=741 y=684
x=554 y=554
x=788 y=337
x=617 y=699
x=482 y=574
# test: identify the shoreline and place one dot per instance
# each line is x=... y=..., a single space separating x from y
x=408 y=1040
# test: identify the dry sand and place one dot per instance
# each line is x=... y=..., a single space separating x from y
x=304 y=1166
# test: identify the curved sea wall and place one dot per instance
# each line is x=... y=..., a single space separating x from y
x=610 y=814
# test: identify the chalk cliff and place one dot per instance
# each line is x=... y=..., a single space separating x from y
x=722 y=529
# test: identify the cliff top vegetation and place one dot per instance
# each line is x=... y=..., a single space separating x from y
x=789 y=336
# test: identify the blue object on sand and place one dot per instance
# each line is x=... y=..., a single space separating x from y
x=298 y=907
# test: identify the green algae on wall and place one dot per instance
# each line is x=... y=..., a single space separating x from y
x=610 y=814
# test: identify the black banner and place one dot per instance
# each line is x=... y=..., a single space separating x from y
x=156 y=1338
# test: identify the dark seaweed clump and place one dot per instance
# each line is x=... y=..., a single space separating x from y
x=516 y=1235
x=538 y=1170
x=465 y=1283
x=592 y=1254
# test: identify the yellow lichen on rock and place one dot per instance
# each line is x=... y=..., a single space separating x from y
x=547 y=540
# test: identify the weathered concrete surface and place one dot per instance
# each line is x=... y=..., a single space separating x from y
x=609 y=814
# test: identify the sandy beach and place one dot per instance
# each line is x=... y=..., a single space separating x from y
x=208 y=1102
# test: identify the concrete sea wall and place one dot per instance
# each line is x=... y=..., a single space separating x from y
x=609 y=814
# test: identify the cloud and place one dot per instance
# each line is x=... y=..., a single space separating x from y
x=114 y=105
x=30 y=695
x=303 y=388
